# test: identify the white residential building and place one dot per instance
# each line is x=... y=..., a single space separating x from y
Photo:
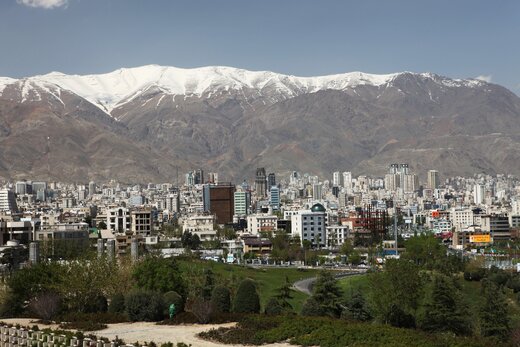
x=258 y=223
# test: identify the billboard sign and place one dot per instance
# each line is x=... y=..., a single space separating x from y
x=480 y=238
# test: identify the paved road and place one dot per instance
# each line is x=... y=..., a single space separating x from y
x=306 y=285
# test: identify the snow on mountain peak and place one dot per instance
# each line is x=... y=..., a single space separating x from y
x=112 y=89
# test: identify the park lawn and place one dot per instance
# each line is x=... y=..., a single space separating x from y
x=268 y=279
x=351 y=283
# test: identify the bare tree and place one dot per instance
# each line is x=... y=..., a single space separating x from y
x=45 y=305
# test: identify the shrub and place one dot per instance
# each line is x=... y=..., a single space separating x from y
x=159 y=274
x=514 y=283
x=84 y=325
x=202 y=309
x=45 y=305
x=117 y=303
x=97 y=304
x=275 y=307
x=399 y=318
x=144 y=306
x=498 y=276
x=172 y=297
x=247 y=299
x=312 y=308
x=221 y=299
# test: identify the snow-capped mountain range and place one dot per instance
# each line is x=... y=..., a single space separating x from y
x=142 y=124
x=111 y=90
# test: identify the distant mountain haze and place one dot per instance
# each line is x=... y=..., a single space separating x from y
x=143 y=124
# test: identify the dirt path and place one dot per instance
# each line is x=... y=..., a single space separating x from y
x=147 y=331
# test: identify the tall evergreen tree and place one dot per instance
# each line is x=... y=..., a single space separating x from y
x=327 y=294
x=494 y=315
x=445 y=309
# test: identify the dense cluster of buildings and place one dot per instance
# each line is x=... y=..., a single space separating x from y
x=318 y=213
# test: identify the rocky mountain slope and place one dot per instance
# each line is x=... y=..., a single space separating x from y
x=142 y=124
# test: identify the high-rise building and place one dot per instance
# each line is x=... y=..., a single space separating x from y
x=91 y=188
x=410 y=183
x=21 y=188
x=242 y=203
x=347 y=179
x=271 y=180
x=172 y=202
x=478 y=194
x=261 y=182
x=317 y=191
x=274 y=200
x=219 y=200
x=433 y=179
x=7 y=201
x=190 y=179
x=40 y=190
x=199 y=176
x=336 y=179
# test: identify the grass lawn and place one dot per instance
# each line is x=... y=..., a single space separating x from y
x=268 y=279
x=350 y=283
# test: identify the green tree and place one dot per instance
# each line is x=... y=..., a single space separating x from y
x=221 y=299
x=159 y=274
x=143 y=305
x=327 y=294
x=209 y=284
x=279 y=303
x=102 y=225
x=356 y=307
x=190 y=241
x=400 y=285
x=445 y=309
x=494 y=314
x=246 y=299
x=117 y=303
x=424 y=250
x=346 y=248
x=312 y=308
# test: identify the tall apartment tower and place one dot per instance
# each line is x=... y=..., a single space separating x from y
x=433 y=179
x=261 y=182
x=347 y=179
x=271 y=180
x=7 y=201
x=336 y=179
x=219 y=200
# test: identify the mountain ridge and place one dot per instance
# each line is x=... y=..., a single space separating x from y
x=138 y=129
x=108 y=90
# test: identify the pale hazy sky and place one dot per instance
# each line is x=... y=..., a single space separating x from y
x=463 y=38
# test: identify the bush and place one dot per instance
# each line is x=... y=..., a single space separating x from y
x=475 y=274
x=97 y=304
x=312 y=308
x=117 y=303
x=84 y=326
x=172 y=297
x=159 y=274
x=275 y=307
x=144 y=306
x=221 y=299
x=498 y=276
x=45 y=305
x=202 y=309
x=514 y=283
x=399 y=318
x=247 y=299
